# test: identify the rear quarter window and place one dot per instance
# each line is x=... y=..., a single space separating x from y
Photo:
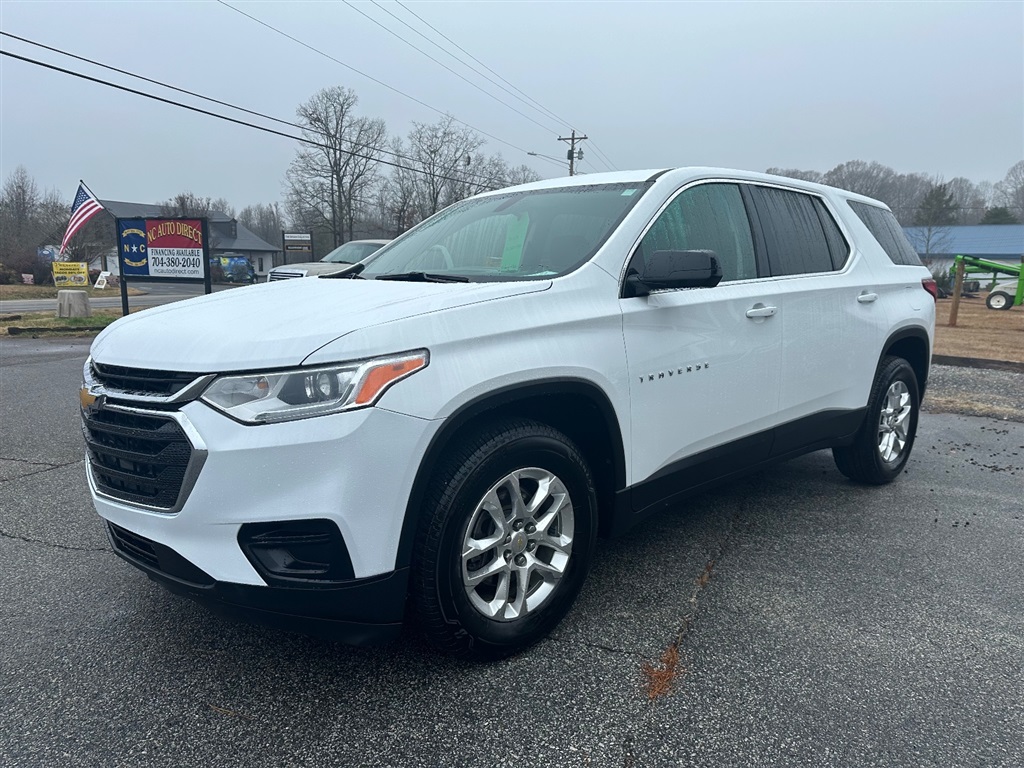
x=888 y=232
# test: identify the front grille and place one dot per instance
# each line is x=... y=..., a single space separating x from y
x=141 y=380
x=284 y=275
x=141 y=459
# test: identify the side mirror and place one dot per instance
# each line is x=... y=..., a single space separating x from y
x=675 y=269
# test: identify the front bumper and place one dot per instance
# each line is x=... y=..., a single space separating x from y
x=357 y=611
x=353 y=469
x=356 y=469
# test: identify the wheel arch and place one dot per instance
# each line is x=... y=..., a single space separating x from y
x=577 y=407
x=914 y=346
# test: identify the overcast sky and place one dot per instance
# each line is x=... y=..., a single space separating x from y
x=932 y=87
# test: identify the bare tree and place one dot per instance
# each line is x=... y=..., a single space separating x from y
x=969 y=200
x=931 y=239
x=906 y=193
x=267 y=221
x=220 y=205
x=186 y=205
x=521 y=174
x=871 y=179
x=794 y=173
x=397 y=209
x=331 y=179
x=29 y=219
x=440 y=152
x=1009 y=192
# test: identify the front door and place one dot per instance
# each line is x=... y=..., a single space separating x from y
x=704 y=363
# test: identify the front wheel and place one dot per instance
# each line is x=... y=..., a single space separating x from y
x=998 y=300
x=506 y=541
x=883 y=444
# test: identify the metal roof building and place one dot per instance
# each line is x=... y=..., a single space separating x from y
x=997 y=242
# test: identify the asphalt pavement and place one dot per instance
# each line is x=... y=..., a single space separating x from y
x=815 y=623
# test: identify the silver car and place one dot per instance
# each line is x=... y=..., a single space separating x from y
x=348 y=253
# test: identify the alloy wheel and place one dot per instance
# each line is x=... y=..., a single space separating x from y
x=517 y=544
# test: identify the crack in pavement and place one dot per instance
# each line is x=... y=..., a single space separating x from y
x=28 y=461
x=48 y=468
x=50 y=544
x=597 y=646
x=661 y=676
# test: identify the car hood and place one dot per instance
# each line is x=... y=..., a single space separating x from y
x=278 y=324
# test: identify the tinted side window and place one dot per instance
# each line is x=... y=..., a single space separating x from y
x=793 y=232
x=837 y=245
x=887 y=232
x=706 y=217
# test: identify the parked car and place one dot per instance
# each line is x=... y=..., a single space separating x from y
x=450 y=424
x=349 y=253
x=1002 y=295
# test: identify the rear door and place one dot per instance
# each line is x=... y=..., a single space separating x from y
x=832 y=323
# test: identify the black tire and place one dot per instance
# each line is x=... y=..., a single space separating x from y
x=999 y=300
x=863 y=461
x=474 y=466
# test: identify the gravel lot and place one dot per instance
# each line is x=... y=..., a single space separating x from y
x=817 y=623
x=977 y=392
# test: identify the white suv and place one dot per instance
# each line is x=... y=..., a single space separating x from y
x=449 y=425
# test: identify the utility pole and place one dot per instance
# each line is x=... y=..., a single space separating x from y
x=572 y=155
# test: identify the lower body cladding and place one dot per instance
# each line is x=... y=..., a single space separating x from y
x=295 y=525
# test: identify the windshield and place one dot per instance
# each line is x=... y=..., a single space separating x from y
x=351 y=252
x=513 y=236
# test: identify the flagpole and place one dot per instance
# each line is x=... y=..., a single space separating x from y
x=87 y=188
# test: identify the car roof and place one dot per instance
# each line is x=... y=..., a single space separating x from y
x=678 y=176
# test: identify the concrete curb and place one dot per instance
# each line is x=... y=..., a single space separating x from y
x=15 y=330
x=976 y=362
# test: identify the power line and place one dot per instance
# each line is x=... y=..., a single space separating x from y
x=442 y=64
x=201 y=111
x=461 y=61
x=474 y=58
x=603 y=156
x=468 y=174
x=527 y=98
x=369 y=77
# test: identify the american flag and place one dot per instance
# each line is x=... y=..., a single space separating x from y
x=84 y=208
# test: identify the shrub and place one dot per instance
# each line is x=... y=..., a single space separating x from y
x=944 y=280
x=9 y=275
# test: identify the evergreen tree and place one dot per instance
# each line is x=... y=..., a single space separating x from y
x=937 y=209
x=999 y=215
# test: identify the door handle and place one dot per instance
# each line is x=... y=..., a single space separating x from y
x=867 y=298
x=761 y=311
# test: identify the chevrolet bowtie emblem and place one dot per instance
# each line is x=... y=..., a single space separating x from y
x=86 y=398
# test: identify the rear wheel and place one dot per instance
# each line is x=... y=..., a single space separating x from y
x=506 y=542
x=999 y=300
x=883 y=444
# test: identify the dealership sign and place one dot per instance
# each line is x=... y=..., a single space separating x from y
x=162 y=248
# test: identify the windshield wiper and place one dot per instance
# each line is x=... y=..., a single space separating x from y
x=423 y=277
x=350 y=272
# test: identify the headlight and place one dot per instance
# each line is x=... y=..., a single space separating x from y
x=262 y=398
